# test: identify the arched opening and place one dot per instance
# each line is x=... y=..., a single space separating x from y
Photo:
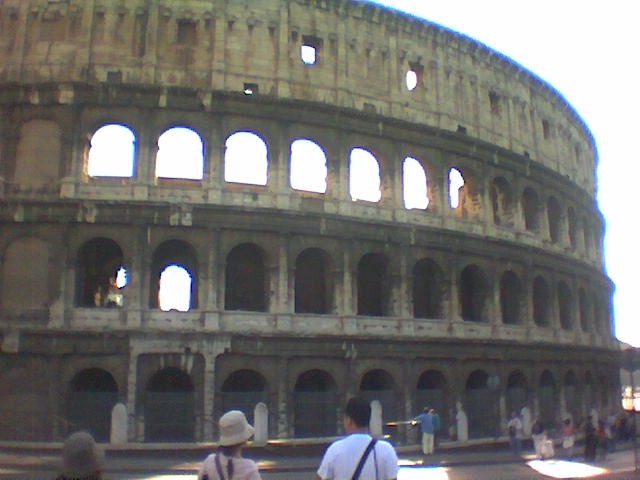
x=481 y=405
x=364 y=176
x=308 y=166
x=474 y=292
x=555 y=220
x=243 y=390
x=428 y=289
x=530 y=210
x=456 y=182
x=502 y=202
x=313 y=282
x=565 y=306
x=547 y=399
x=541 y=302
x=102 y=277
x=175 y=289
x=112 y=152
x=415 y=186
x=245 y=279
x=169 y=390
x=378 y=385
x=174 y=277
x=372 y=285
x=245 y=159
x=517 y=395
x=510 y=298
x=91 y=395
x=431 y=391
x=315 y=404
x=180 y=154
x=584 y=310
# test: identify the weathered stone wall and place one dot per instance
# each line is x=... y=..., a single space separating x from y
x=364 y=52
x=69 y=67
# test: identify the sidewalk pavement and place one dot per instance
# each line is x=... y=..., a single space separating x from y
x=290 y=456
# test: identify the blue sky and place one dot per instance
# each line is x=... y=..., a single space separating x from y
x=586 y=50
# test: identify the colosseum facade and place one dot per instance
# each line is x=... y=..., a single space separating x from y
x=209 y=204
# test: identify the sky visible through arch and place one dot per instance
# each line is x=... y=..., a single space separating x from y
x=587 y=51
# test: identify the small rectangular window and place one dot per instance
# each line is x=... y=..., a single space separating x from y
x=310 y=49
x=250 y=89
x=494 y=100
x=546 y=129
x=186 y=32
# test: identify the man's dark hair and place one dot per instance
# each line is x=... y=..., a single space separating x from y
x=358 y=410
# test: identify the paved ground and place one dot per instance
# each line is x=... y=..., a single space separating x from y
x=292 y=462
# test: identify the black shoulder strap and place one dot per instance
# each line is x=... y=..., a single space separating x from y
x=356 y=474
x=219 y=467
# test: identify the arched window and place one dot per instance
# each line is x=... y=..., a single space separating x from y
x=112 y=152
x=308 y=166
x=372 y=285
x=541 y=302
x=502 y=202
x=101 y=274
x=312 y=282
x=175 y=289
x=364 y=176
x=510 y=298
x=414 y=181
x=554 y=218
x=565 y=306
x=428 y=289
x=584 y=310
x=174 y=277
x=245 y=159
x=245 y=279
x=456 y=182
x=474 y=292
x=530 y=209
x=180 y=154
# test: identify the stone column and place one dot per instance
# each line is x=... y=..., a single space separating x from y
x=283 y=400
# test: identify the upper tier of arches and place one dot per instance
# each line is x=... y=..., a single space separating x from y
x=353 y=55
x=248 y=162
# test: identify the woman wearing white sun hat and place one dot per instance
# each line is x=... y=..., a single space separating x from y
x=228 y=463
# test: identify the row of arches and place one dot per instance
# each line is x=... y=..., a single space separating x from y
x=244 y=277
x=182 y=153
x=314 y=403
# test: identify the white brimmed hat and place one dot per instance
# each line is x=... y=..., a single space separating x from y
x=234 y=428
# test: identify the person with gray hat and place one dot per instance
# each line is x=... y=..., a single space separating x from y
x=228 y=463
x=82 y=459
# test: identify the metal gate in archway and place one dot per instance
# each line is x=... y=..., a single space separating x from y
x=169 y=407
x=91 y=397
x=315 y=405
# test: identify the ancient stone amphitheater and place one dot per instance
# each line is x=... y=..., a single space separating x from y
x=208 y=204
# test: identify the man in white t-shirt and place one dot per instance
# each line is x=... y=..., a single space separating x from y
x=341 y=459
